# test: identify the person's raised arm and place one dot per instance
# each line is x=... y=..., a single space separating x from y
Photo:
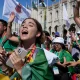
x=9 y=26
x=14 y=39
x=76 y=13
x=9 y=31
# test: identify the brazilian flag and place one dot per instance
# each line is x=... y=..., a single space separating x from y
x=38 y=69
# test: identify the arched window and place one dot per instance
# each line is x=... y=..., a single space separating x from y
x=56 y=28
x=50 y=30
x=63 y=26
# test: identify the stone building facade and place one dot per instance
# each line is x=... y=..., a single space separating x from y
x=54 y=16
x=51 y=18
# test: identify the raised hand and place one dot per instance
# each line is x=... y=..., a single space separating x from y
x=73 y=37
x=11 y=17
x=9 y=26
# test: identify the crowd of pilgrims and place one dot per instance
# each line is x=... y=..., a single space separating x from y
x=40 y=48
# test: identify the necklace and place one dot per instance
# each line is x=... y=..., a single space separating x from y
x=30 y=54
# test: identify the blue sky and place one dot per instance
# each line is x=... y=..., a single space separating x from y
x=23 y=2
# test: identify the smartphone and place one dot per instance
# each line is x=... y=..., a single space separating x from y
x=22 y=53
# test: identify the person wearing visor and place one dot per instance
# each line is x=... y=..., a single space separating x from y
x=61 y=71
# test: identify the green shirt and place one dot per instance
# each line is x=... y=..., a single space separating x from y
x=8 y=45
x=74 y=43
x=52 y=50
x=67 y=55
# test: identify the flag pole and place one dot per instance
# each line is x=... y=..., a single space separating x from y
x=47 y=15
x=38 y=11
x=62 y=15
x=26 y=4
x=32 y=8
x=60 y=18
x=31 y=5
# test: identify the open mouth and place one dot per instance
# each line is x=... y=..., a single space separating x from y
x=24 y=33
